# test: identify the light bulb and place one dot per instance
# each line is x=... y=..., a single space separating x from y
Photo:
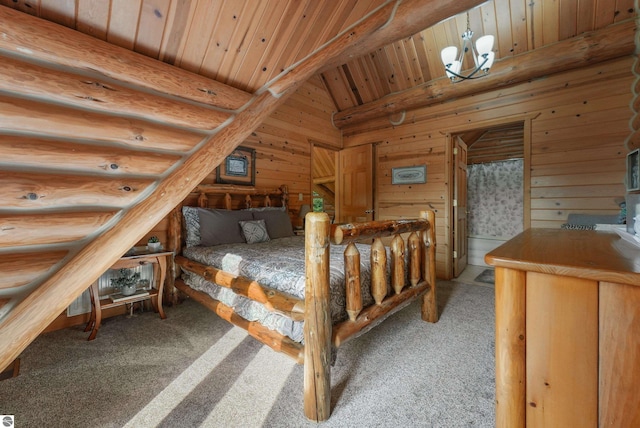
x=448 y=55
x=484 y=44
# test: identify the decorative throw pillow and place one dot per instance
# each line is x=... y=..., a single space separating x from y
x=255 y=231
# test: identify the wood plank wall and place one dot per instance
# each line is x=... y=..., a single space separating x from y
x=283 y=144
x=579 y=123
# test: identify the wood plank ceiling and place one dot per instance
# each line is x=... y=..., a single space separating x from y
x=247 y=43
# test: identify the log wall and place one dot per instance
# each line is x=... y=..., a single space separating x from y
x=579 y=123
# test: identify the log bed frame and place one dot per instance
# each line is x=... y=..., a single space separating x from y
x=321 y=338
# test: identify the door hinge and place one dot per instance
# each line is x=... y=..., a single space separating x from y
x=455 y=202
x=455 y=151
x=455 y=254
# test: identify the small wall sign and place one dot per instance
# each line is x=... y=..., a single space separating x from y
x=409 y=175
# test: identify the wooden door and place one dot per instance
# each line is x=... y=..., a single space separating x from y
x=355 y=184
x=460 y=242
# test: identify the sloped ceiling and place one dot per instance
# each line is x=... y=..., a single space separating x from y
x=247 y=43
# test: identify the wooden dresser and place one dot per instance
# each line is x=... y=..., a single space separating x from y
x=567 y=330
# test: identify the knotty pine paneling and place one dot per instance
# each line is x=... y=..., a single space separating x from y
x=579 y=123
x=407 y=200
x=283 y=146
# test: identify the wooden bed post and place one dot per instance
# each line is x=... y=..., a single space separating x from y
x=285 y=195
x=174 y=238
x=203 y=200
x=317 y=319
x=429 y=300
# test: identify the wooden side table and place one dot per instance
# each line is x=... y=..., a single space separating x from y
x=159 y=261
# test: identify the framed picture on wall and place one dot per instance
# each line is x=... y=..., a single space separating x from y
x=238 y=168
x=409 y=175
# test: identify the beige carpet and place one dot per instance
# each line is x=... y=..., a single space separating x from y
x=194 y=369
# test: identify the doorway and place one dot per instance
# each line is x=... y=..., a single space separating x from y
x=323 y=170
x=489 y=202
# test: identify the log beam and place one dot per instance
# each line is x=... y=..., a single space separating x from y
x=75 y=90
x=590 y=48
x=347 y=233
x=34 y=39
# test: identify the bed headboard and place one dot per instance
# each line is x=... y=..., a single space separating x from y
x=230 y=197
x=239 y=197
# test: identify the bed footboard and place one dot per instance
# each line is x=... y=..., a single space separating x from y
x=318 y=333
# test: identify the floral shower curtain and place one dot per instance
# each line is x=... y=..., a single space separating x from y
x=495 y=199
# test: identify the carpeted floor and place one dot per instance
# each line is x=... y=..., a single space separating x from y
x=487 y=276
x=194 y=369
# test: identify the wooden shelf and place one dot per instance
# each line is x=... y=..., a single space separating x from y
x=108 y=303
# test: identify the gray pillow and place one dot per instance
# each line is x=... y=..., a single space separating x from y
x=254 y=231
x=221 y=226
x=277 y=221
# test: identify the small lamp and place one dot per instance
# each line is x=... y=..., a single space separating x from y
x=304 y=209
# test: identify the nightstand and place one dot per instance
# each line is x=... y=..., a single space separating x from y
x=159 y=261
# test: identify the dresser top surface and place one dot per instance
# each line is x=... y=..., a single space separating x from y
x=591 y=254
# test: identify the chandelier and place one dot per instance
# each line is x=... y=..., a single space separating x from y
x=483 y=56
